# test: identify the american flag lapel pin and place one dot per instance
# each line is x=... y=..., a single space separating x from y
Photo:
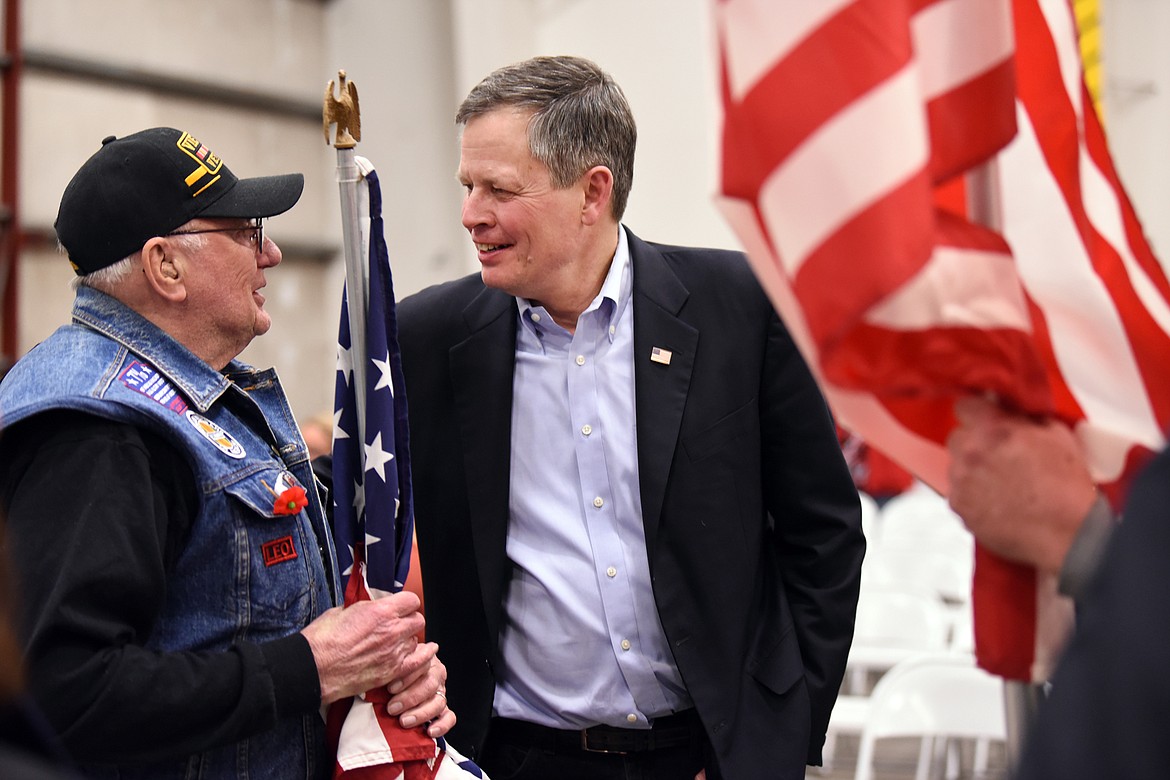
x=660 y=355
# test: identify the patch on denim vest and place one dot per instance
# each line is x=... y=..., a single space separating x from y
x=278 y=551
x=146 y=380
x=216 y=435
x=286 y=480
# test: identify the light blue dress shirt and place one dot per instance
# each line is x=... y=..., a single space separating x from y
x=581 y=643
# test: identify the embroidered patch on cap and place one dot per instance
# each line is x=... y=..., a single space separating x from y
x=278 y=551
x=146 y=380
x=216 y=435
x=207 y=164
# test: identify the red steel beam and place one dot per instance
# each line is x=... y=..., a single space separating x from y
x=9 y=193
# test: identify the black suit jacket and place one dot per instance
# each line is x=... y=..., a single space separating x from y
x=1109 y=712
x=731 y=434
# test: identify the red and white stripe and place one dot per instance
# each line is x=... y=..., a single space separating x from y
x=842 y=121
x=370 y=744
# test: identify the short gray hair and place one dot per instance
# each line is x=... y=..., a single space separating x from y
x=105 y=279
x=581 y=118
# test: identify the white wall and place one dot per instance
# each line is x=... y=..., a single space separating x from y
x=398 y=52
x=413 y=61
x=274 y=47
x=1137 y=109
x=660 y=52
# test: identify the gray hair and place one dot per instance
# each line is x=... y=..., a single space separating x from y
x=106 y=279
x=581 y=118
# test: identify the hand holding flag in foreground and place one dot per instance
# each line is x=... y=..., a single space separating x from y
x=844 y=118
x=374 y=519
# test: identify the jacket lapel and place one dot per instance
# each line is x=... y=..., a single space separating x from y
x=660 y=387
x=481 y=369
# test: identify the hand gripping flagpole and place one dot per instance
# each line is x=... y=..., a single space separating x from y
x=373 y=509
x=344 y=112
x=1021 y=698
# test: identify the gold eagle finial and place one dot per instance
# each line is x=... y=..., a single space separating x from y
x=343 y=112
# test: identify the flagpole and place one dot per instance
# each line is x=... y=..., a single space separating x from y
x=344 y=112
x=1021 y=698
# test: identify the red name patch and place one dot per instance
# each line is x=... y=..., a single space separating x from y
x=278 y=551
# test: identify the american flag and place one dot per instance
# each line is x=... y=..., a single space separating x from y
x=850 y=127
x=373 y=520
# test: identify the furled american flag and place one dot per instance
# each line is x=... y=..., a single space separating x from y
x=373 y=519
x=848 y=124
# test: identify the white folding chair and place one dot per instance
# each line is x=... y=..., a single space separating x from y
x=892 y=625
x=922 y=519
x=946 y=572
x=930 y=697
x=870 y=518
x=849 y=715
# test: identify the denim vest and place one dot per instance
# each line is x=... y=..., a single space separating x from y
x=247 y=573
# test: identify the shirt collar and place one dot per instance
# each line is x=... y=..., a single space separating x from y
x=617 y=289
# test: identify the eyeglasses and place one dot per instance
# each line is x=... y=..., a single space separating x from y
x=255 y=234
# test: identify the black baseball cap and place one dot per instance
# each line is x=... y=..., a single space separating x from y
x=149 y=183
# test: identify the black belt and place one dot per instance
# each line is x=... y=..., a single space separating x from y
x=670 y=731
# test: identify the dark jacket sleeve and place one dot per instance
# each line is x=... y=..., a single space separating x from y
x=1110 y=700
x=817 y=514
x=96 y=511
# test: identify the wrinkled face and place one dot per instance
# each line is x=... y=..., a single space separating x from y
x=226 y=276
x=527 y=233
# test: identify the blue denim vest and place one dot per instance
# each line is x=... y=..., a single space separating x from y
x=246 y=573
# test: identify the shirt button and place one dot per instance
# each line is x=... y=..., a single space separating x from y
x=580 y=360
x=611 y=572
x=632 y=718
x=586 y=429
x=599 y=502
x=625 y=644
x=535 y=317
x=612 y=330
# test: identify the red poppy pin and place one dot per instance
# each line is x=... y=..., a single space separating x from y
x=289 y=501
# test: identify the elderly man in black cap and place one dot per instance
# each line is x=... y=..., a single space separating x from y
x=179 y=593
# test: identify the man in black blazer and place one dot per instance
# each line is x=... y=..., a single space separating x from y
x=640 y=545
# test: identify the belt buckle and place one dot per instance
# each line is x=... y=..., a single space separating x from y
x=585 y=746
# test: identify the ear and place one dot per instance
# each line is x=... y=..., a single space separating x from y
x=165 y=269
x=598 y=189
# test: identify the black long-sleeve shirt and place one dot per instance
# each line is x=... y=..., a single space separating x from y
x=97 y=512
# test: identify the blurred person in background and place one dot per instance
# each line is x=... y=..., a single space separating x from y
x=28 y=748
x=1023 y=487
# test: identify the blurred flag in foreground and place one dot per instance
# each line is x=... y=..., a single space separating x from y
x=850 y=129
x=373 y=518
